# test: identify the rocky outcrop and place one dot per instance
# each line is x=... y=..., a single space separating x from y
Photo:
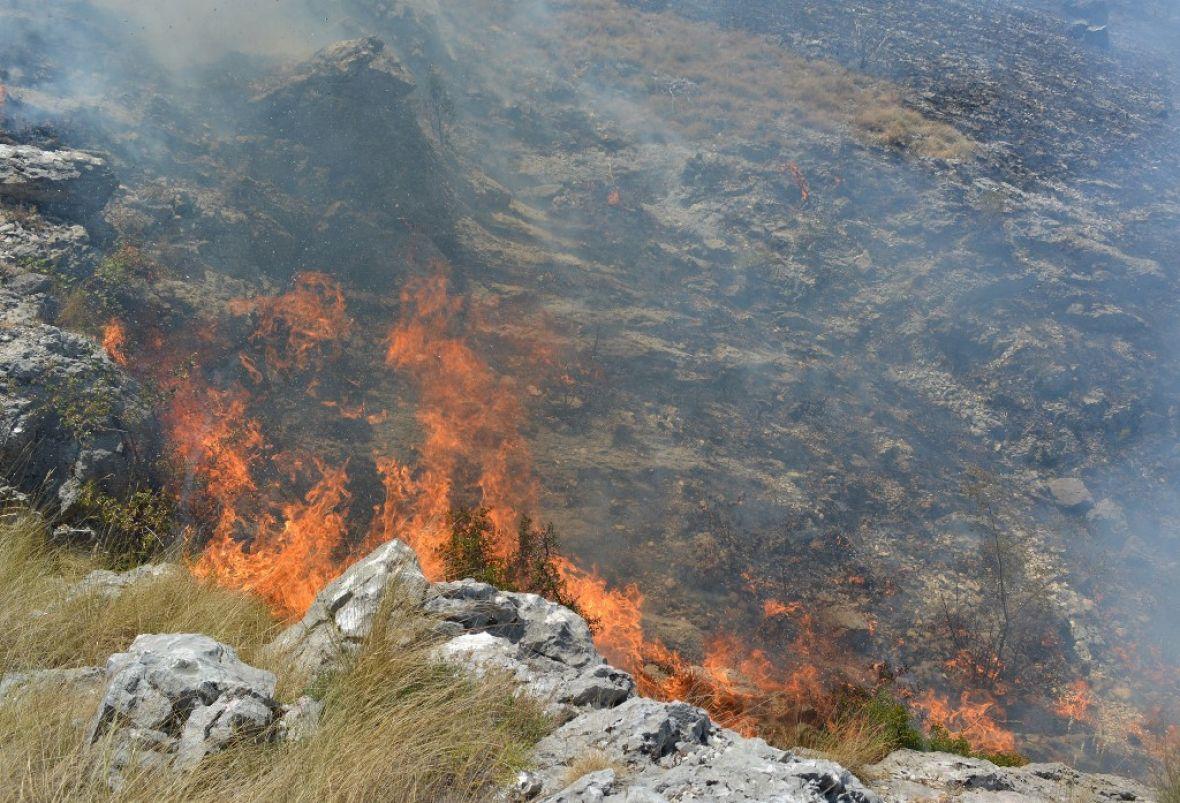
x=907 y=775
x=69 y=418
x=72 y=183
x=546 y=647
x=345 y=612
x=176 y=698
x=655 y=751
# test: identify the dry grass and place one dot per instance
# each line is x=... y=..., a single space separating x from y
x=1167 y=785
x=713 y=83
x=854 y=742
x=47 y=628
x=396 y=724
x=593 y=761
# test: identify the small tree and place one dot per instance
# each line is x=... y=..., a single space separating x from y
x=468 y=551
x=997 y=633
x=441 y=105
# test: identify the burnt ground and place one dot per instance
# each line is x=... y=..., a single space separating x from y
x=795 y=306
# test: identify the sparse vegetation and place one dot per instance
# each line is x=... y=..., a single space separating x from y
x=999 y=631
x=134 y=529
x=592 y=761
x=1167 y=783
x=395 y=721
x=711 y=82
x=82 y=404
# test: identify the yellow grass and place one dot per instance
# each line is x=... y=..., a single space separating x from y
x=712 y=83
x=396 y=726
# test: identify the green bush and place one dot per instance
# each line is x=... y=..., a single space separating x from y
x=135 y=529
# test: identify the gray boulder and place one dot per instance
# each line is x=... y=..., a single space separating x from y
x=173 y=699
x=72 y=183
x=672 y=751
x=344 y=613
x=69 y=417
x=907 y=775
x=547 y=648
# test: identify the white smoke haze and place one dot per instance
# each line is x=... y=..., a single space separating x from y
x=183 y=33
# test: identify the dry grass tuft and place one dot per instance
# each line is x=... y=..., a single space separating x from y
x=593 y=761
x=855 y=741
x=396 y=724
x=47 y=628
x=1167 y=784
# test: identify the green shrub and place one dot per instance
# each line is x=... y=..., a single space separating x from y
x=135 y=529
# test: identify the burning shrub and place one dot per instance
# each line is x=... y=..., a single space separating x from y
x=470 y=551
x=943 y=741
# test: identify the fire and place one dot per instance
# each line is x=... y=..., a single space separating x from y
x=472 y=420
x=276 y=520
x=114 y=334
x=303 y=326
x=800 y=181
x=1075 y=703
x=974 y=719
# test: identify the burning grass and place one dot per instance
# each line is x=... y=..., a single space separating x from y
x=394 y=719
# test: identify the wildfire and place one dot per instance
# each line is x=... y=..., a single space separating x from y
x=472 y=422
x=277 y=519
x=302 y=326
x=1075 y=703
x=114 y=334
x=974 y=719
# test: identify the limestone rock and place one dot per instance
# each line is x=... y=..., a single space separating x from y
x=672 y=751
x=546 y=647
x=907 y=775
x=175 y=698
x=74 y=183
x=300 y=719
x=70 y=418
x=345 y=611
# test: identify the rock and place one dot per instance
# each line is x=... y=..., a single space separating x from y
x=72 y=183
x=671 y=751
x=300 y=719
x=526 y=787
x=70 y=417
x=175 y=698
x=1071 y=494
x=75 y=537
x=81 y=678
x=344 y=612
x=546 y=647
x=907 y=775
x=110 y=584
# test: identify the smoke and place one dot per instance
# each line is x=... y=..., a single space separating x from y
x=183 y=33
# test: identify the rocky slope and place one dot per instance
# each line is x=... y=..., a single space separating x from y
x=172 y=699
x=769 y=325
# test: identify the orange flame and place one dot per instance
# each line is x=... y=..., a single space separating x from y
x=1075 y=703
x=472 y=422
x=974 y=720
x=302 y=326
x=114 y=339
